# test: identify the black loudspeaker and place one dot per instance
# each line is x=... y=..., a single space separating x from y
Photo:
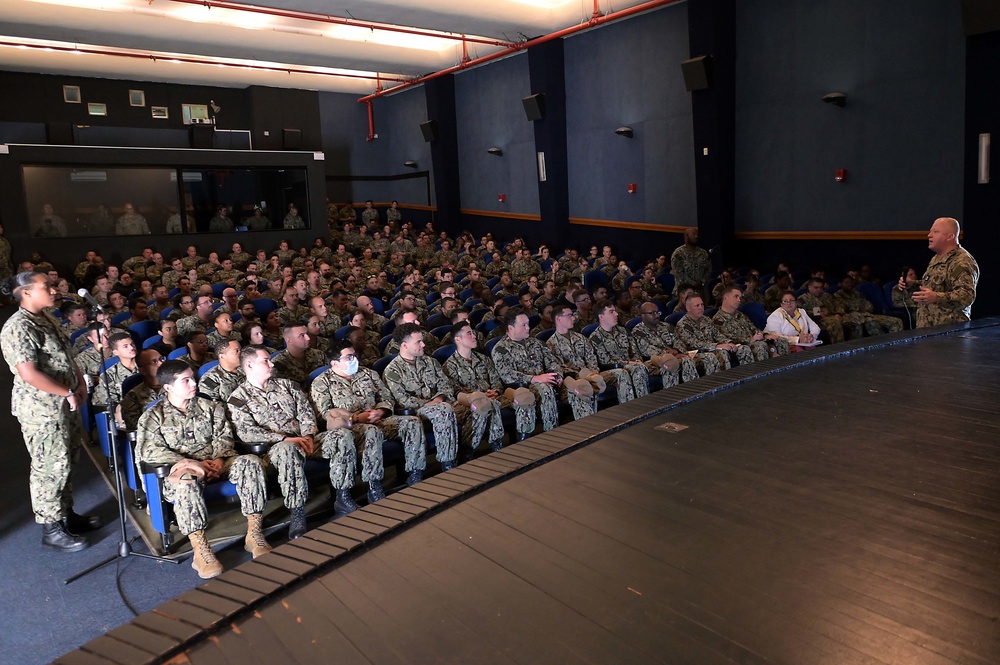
x=291 y=139
x=697 y=73
x=534 y=106
x=430 y=130
x=203 y=136
x=59 y=133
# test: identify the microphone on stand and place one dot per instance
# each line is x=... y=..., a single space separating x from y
x=85 y=294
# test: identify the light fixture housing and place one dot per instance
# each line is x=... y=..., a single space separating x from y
x=410 y=164
x=835 y=98
x=495 y=151
x=625 y=131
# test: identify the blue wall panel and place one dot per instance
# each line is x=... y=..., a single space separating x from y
x=489 y=113
x=901 y=63
x=348 y=152
x=628 y=73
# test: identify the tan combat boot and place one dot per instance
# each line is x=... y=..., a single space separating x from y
x=255 y=542
x=203 y=560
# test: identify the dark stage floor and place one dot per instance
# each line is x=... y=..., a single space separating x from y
x=843 y=511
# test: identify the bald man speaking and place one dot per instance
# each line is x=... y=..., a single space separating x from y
x=948 y=288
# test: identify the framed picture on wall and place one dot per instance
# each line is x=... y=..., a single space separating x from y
x=136 y=98
x=97 y=108
x=160 y=112
x=71 y=94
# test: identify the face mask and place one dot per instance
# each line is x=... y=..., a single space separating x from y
x=351 y=368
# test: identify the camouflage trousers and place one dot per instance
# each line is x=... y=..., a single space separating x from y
x=53 y=442
x=759 y=350
x=688 y=372
x=441 y=420
x=640 y=378
x=619 y=378
x=710 y=362
x=524 y=416
x=290 y=463
x=672 y=377
x=548 y=409
x=834 y=327
x=340 y=446
x=744 y=355
x=244 y=471
x=581 y=406
x=877 y=324
x=476 y=424
x=781 y=346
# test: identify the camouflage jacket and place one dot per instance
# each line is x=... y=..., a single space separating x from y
x=700 y=335
x=574 y=351
x=475 y=374
x=166 y=435
x=690 y=266
x=414 y=383
x=135 y=402
x=828 y=306
x=854 y=301
x=298 y=370
x=217 y=384
x=36 y=338
x=113 y=378
x=518 y=362
x=655 y=341
x=365 y=390
x=736 y=326
x=272 y=413
x=614 y=347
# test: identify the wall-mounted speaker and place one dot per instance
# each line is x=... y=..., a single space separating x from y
x=59 y=133
x=430 y=130
x=534 y=106
x=697 y=73
x=291 y=139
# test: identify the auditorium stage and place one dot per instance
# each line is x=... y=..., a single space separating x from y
x=841 y=506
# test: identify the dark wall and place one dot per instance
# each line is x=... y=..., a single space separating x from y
x=982 y=202
x=489 y=112
x=265 y=112
x=902 y=65
x=628 y=73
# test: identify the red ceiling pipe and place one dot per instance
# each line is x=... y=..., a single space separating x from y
x=593 y=22
x=338 y=20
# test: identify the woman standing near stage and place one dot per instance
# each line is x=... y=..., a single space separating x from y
x=48 y=392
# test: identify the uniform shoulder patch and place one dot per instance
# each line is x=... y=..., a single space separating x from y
x=237 y=402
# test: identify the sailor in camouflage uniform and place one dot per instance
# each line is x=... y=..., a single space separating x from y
x=135 y=401
x=193 y=435
x=738 y=327
x=276 y=412
x=828 y=313
x=855 y=302
x=298 y=359
x=696 y=332
x=577 y=356
x=615 y=349
x=481 y=392
x=358 y=408
x=48 y=393
x=690 y=264
x=522 y=361
x=218 y=383
x=419 y=385
x=656 y=340
x=131 y=223
x=123 y=347
x=948 y=288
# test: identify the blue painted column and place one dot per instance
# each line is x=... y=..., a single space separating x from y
x=547 y=72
